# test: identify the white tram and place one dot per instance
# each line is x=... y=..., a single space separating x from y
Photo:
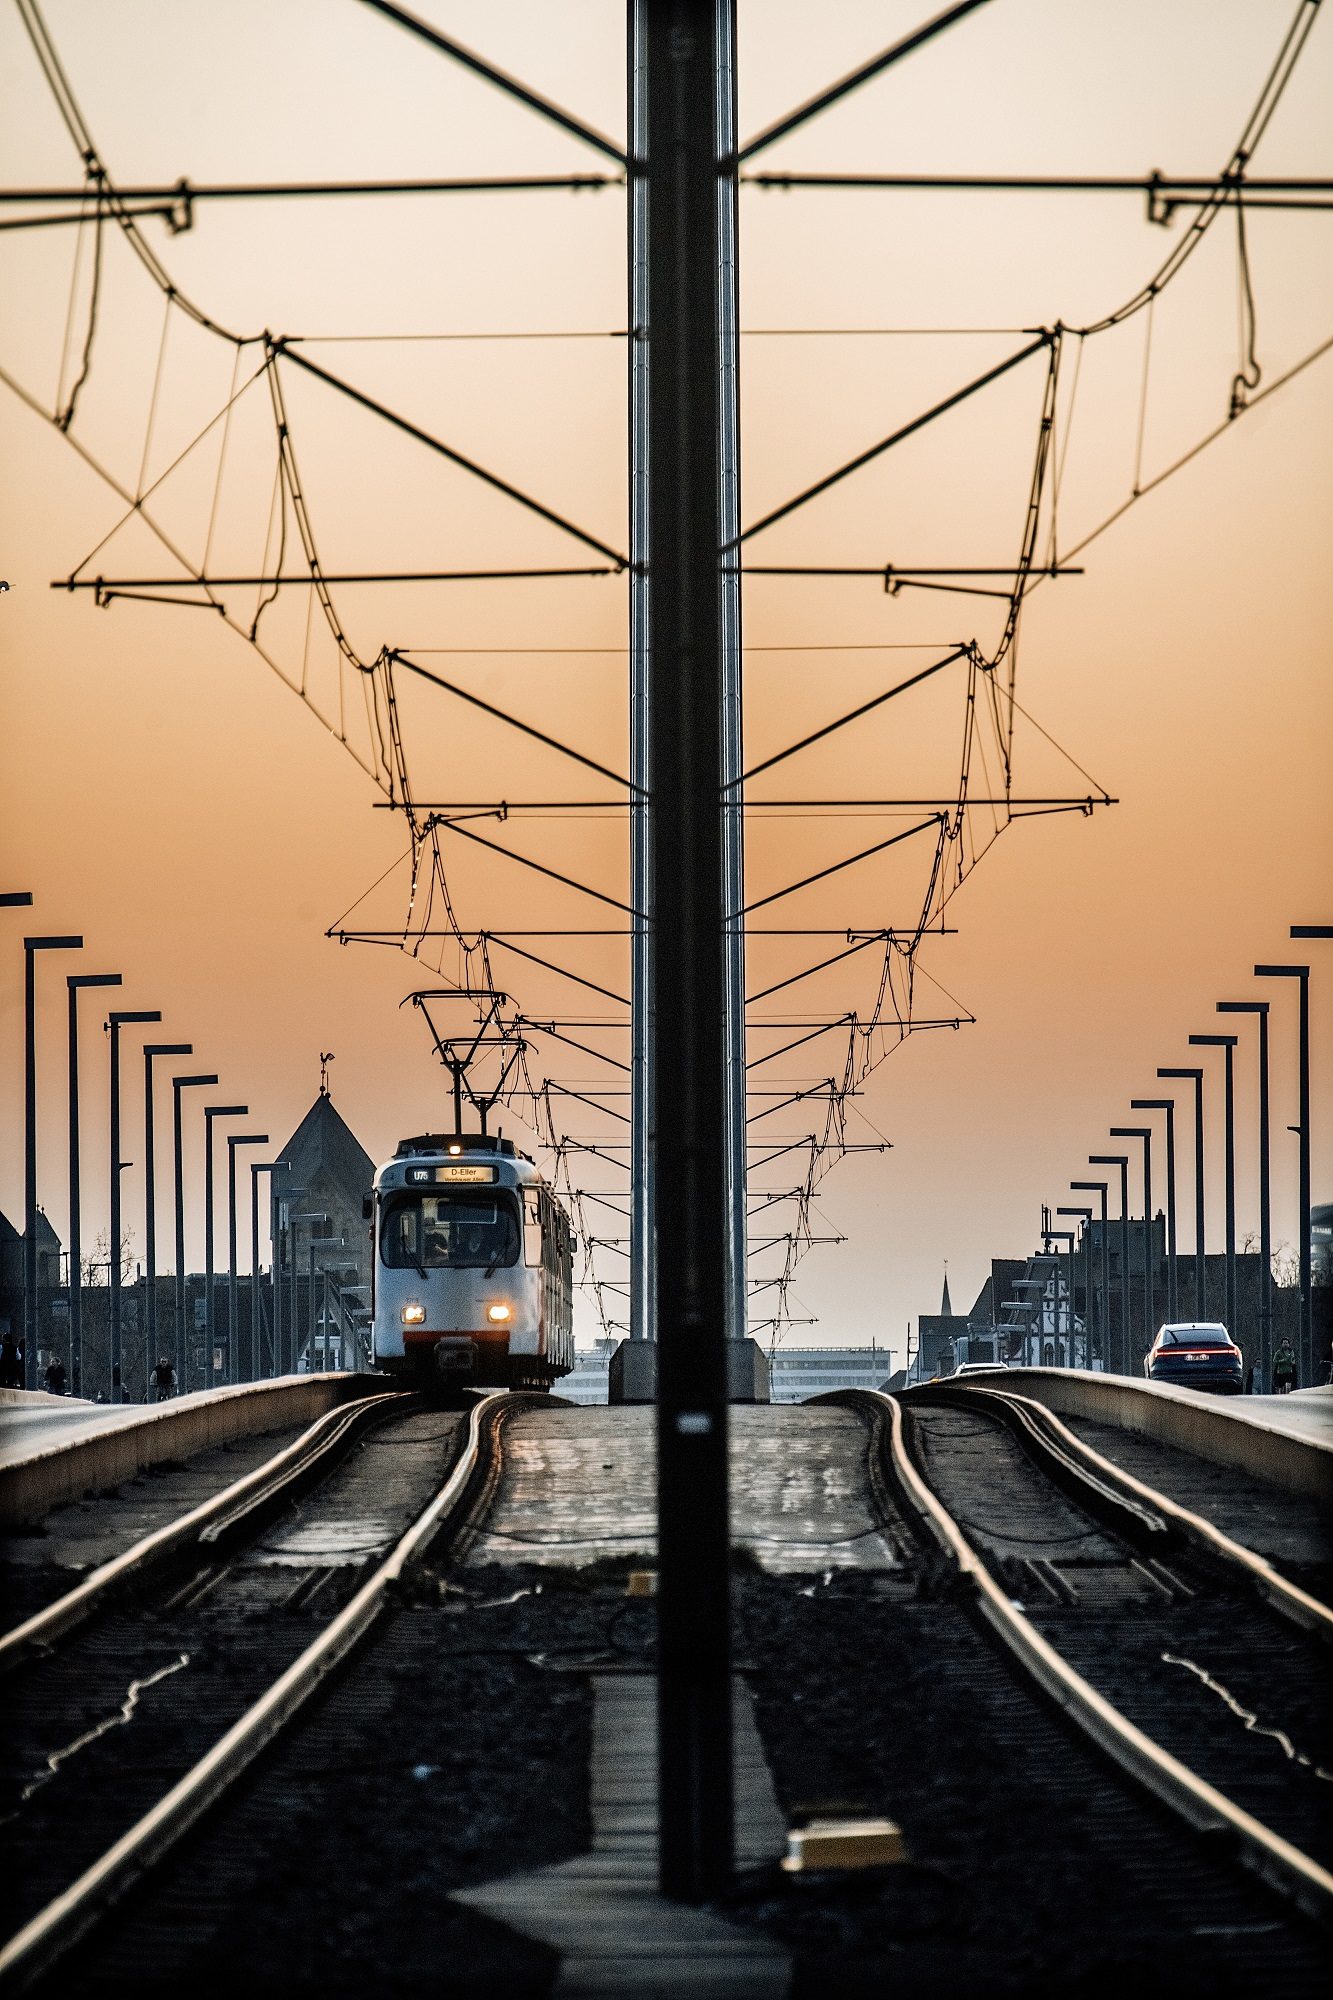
x=473 y=1265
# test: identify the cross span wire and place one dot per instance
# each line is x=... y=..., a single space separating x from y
x=981 y=672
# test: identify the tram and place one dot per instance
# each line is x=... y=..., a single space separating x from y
x=473 y=1266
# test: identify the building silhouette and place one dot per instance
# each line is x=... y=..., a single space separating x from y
x=334 y=1173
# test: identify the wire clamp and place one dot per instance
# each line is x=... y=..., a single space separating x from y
x=1161 y=209
x=180 y=216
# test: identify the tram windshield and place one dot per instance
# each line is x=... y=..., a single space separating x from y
x=458 y=1231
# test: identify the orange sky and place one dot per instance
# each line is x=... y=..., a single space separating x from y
x=165 y=793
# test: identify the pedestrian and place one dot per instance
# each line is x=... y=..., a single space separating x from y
x=55 y=1377
x=11 y=1364
x=1284 y=1368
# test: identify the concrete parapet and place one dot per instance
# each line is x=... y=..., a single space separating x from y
x=40 y=1399
x=632 y=1377
x=106 y=1455
x=1226 y=1431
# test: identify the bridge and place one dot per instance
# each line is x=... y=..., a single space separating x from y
x=1030 y=1667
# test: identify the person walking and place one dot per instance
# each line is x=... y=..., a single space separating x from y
x=1284 y=1368
x=11 y=1363
x=55 y=1378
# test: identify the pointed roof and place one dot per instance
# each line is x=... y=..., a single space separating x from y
x=323 y=1141
x=946 y=1310
x=46 y=1235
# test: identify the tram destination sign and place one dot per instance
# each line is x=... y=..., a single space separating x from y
x=419 y=1176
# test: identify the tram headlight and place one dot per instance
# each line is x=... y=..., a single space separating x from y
x=414 y=1314
x=498 y=1313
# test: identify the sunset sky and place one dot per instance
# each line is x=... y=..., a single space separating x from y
x=171 y=795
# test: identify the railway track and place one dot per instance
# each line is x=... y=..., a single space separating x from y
x=1294 y=1535
x=874 y=1587
x=1193 y=1663
x=199 y=1538
x=138 y=1700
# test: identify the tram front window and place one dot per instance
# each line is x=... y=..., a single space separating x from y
x=451 y=1232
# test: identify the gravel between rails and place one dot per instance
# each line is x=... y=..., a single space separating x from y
x=454 y=1748
x=97 y=1733
x=1204 y=1667
x=1035 y=1868
x=447 y=1755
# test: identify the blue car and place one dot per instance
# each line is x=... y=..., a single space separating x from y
x=1196 y=1354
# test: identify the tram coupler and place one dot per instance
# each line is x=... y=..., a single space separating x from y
x=455 y=1355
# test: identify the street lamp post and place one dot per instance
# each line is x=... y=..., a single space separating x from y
x=1048 y=1258
x=319 y=1243
x=1099 y=1188
x=1084 y=1215
x=293 y=1337
x=1324 y=932
x=1144 y=1132
x=178 y=1084
x=1302 y=972
x=115 y=1022
x=1195 y=1076
x=258 y=1167
x=1168 y=1105
x=76 y=981
x=235 y=1139
x=348 y=1346
x=357 y=1319
x=1260 y=1008
x=1037 y=1285
x=212 y=1111
x=151 y=1051
x=1064 y=1236
x=311 y=1216
x=284 y=1318
x=1120 y=1160
x=1227 y=1043
x=31 y=947
x=337 y=1294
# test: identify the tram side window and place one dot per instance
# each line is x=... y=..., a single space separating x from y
x=532 y=1226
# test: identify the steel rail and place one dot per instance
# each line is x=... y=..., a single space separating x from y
x=1055 y=1442
x=285 y=1473
x=1292 y=1874
x=68 y=1917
